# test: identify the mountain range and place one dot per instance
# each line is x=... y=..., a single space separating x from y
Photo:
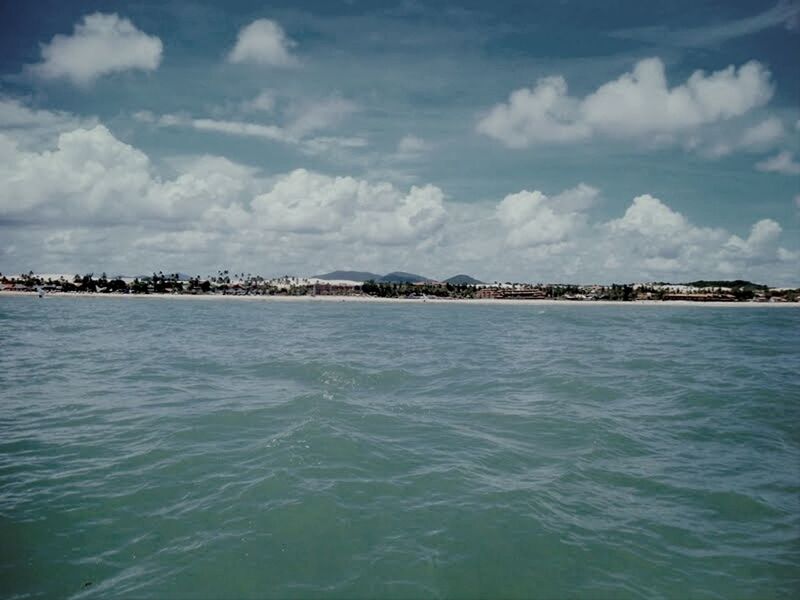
x=393 y=277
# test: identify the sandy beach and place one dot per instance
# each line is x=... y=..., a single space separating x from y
x=374 y=300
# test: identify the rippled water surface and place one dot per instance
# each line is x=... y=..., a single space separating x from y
x=159 y=448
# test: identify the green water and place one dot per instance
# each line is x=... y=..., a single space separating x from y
x=194 y=449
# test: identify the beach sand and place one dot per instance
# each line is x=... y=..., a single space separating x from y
x=369 y=299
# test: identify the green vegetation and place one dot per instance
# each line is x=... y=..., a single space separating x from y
x=733 y=284
x=462 y=279
x=412 y=290
x=241 y=284
x=402 y=277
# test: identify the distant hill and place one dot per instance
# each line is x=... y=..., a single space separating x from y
x=393 y=277
x=401 y=277
x=462 y=280
x=350 y=276
x=737 y=283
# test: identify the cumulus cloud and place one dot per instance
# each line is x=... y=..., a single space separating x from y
x=635 y=105
x=783 y=163
x=539 y=115
x=580 y=198
x=763 y=235
x=307 y=202
x=92 y=177
x=763 y=134
x=263 y=42
x=100 y=44
x=533 y=219
x=757 y=138
x=659 y=236
x=650 y=217
x=641 y=102
x=664 y=243
x=89 y=171
x=650 y=241
x=95 y=202
x=32 y=127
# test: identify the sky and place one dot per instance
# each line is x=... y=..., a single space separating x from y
x=546 y=141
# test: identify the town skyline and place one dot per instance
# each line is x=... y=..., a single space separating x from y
x=358 y=278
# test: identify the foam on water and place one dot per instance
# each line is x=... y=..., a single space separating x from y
x=166 y=448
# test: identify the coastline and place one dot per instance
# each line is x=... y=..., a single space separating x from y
x=438 y=301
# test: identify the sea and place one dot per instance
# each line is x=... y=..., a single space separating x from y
x=177 y=448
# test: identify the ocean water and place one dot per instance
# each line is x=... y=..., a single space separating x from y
x=166 y=448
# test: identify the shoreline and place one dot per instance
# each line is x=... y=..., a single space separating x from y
x=437 y=301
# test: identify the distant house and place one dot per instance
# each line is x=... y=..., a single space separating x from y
x=332 y=289
x=701 y=297
x=523 y=294
x=487 y=292
x=17 y=287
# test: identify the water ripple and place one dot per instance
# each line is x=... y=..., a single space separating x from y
x=162 y=448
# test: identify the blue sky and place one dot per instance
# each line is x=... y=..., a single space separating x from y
x=541 y=141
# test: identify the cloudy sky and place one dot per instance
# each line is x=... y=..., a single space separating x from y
x=539 y=141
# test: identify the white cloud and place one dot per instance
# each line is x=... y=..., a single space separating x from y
x=331 y=144
x=263 y=42
x=228 y=127
x=641 y=102
x=762 y=135
x=33 y=127
x=176 y=242
x=635 y=105
x=101 y=44
x=14 y=114
x=655 y=236
x=269 y=132
x=782 y=13
x=92 y=177
x=663 y=243
x=92 y=201
x=762 y=240
x=544 y=114
x=650 y=241
x=307 y=202
x=304 y=120
x=315 y=116
x=411 y=146
x=756 y=138
x=577 y=199
x=763 y=233
x=264 y=102
x=650 y=217
x=90 y=173
x=144 y=116
x=782 y=163
x=533 y=220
